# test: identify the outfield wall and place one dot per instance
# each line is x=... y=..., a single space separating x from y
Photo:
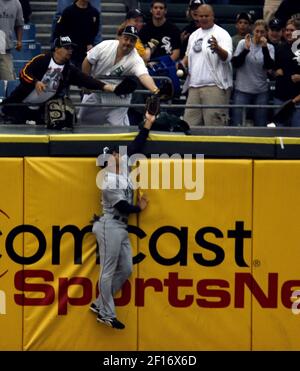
x=210 y=274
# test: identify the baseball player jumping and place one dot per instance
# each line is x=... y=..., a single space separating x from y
x=111 y=228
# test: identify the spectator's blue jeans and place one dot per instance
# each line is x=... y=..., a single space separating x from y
x=260 y=115
x=62 y=4
x=294 y=120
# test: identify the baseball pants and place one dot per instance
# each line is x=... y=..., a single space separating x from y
x=115 y=262
x=103 y=115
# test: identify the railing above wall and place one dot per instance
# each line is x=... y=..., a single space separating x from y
x=213 y=142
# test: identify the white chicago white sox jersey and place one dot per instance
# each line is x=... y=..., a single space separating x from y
x=102 y=58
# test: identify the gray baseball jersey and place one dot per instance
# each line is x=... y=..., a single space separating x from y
x=112 y=237
x=116 y=187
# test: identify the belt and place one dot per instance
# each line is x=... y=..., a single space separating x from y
x=121 y=218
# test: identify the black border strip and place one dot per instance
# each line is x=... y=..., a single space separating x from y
x=289 y=151
x=19 y=149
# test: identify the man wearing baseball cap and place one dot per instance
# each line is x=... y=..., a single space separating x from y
x=275 y=32
x=135 y=18
x=134 y=13
x=44 y=77
x=131 y=31
x=64 y=42
x=114 y=58
x=243 y=27
x=191 y=14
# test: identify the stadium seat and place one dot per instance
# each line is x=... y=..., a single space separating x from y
x=18 y=65
x=2 y=90
x=29 y=33
x=11 y=85
x=28 y=51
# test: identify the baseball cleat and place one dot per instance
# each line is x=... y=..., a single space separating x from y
x=111 y=322
x=94 y=308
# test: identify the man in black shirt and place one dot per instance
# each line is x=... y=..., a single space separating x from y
x=192 y=26
x=287 y=75
x=80 y=21
x=159 y=28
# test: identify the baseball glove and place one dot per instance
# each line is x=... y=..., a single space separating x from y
x=285 y=112
x=127 y=86
x=153 y=105
x=166 y=90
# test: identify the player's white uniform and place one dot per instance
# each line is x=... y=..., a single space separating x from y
x=102 y=58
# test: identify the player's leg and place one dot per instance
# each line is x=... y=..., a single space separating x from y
x=109 y=241
x=124 y=267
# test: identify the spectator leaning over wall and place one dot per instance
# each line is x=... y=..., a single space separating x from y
x=44 y=78
x=115 y=58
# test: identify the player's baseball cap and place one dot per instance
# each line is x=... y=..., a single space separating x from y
x=275 y=24
x=130 y=31
x=64 y=42
x=245 y=16
x=110 y=150
x=134 y=13
x=106 y=152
